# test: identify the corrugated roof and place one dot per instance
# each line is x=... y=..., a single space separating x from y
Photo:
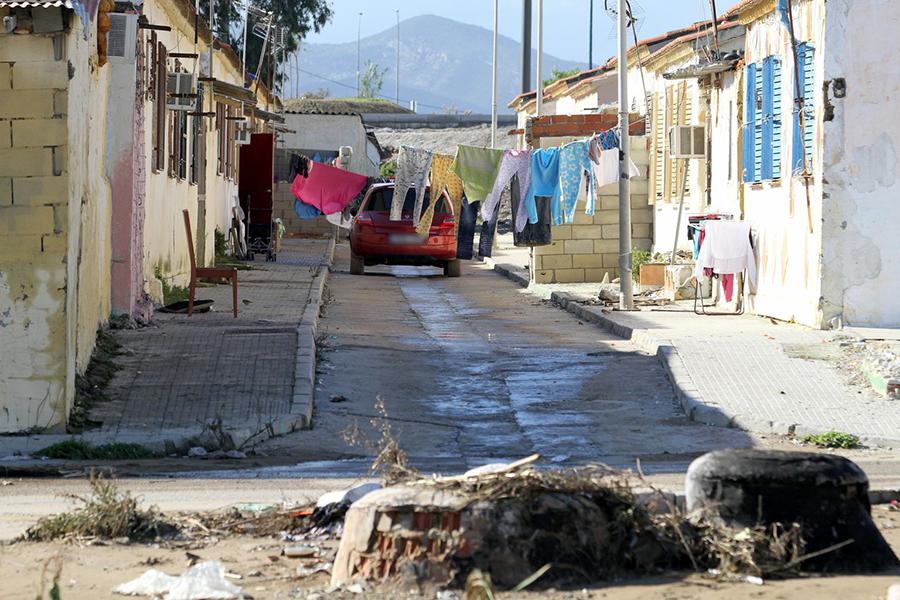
x=35 y=3
x=341 y=106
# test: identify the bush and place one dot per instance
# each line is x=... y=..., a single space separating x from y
x=81 y=450
x=832 y=439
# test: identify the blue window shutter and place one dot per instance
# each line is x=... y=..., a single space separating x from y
x=767 y=119
x=776 y=118
x=749 y=172
x=759 y=115
x=809 y=115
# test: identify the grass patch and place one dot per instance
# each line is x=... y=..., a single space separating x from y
x=105 y=513
x=90 y=387
x=171 y=293
x=832 y=439
x=81 y=450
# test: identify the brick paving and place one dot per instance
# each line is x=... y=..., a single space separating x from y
x=183 y=371
x=749 y=367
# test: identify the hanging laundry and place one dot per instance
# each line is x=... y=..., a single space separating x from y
x=477 y=167
x=544 y=182
x=537 y=234
x=305 y=211
x=725 y=248
x=465 y=237
x=515 y=163
x=574 y=165
x=605 y=163
x=327 y=188
x=488 y=228
x=413 y=165
x=442 y=179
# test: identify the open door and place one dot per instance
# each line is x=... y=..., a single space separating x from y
x=255 y=185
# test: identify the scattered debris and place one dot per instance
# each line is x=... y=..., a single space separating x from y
x=197 y=451
x=301 y=551
x=204 y=580
x=77 y=449
x=337 y=398
x=107 y=514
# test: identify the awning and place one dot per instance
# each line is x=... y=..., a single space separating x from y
x=233 y=94
x=267 y=116
x=702 y=70
x=35 y=3
x=280 y=128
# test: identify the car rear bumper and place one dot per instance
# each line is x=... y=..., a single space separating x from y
x=437 y=249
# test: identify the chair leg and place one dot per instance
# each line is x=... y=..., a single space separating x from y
x=192 y=288
x=234 y=293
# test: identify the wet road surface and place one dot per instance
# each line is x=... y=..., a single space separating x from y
x=475 y=370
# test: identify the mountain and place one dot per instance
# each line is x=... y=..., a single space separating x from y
x=442 y=63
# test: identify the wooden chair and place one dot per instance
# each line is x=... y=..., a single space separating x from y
x=229 y=273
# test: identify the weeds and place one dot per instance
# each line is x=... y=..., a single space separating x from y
x=53 y=571
x=105 y=513
x=81 y=450
x=90 y=387
x=171 y=293
x=638 y=258
x=832 y=439
x=391 y=462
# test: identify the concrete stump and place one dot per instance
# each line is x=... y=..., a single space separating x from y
x=826 y=494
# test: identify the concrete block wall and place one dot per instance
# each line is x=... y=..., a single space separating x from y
x=293 y=224
x=588 y=249
x=34 y=226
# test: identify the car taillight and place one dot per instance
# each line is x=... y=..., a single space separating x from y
x=364 y=219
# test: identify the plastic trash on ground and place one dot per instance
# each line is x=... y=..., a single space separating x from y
x=203 y=581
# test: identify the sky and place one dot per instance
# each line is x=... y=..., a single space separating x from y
x=566 y=22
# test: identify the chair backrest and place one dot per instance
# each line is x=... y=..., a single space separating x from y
x=190 y=240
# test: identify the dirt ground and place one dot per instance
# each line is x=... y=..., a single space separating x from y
x=90 y=572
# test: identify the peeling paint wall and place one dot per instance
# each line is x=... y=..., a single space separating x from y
x=54 y=215
x=860 y=266
x=788 y=254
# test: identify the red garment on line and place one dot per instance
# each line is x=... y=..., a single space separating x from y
x=727 y=279
x=327 y=188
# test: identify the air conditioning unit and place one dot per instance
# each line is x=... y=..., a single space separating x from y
x=121 y=38
x=242 y=134
x=181 y=91
x=687 y=141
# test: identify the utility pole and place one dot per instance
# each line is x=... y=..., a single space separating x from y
x=540 y=60
x=398 y=56
x=625 y=281
x=526 y=46
x=244 y=47
x=494 y=76
x=358 y=31
x=591 y=36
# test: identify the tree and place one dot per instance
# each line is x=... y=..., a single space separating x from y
x=297 y=17
x=557 y=74
x=371 y=80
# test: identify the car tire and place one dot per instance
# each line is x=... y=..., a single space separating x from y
x=357 y=265
x=453 y=268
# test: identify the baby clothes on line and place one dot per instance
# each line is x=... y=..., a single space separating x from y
x=412 y=171
x=442 y=178
x=515 y=163
x=544 y=182
x=574 y=164
x=477 y=167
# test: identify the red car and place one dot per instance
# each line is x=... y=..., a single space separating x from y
x=376 y=240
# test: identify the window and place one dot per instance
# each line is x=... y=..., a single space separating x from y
x=159 y=108
x=762 y=121
x=675 y=108
x=802 y=146
x=197 y=139
x=220 y=137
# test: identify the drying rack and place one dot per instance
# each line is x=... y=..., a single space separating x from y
x=697 y=223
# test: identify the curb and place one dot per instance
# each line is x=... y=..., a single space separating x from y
x=695 y=407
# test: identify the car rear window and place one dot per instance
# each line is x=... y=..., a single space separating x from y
x=381 y=200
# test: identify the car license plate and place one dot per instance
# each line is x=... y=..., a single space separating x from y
x=404 y=239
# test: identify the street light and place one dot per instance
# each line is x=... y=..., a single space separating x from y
x=358 y=30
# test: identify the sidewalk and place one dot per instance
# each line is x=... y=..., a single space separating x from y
x=254 y=374
x=739 y=371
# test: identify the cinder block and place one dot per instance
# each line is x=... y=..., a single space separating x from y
x=60 y=103
x=562 y=232
x=639 y=201
x=5 y=76
x=5 y=134
x=5 y=191
x=26 y=162
x=581 y=218
x=39 y=132
x=585 y=261
x=611 y=260
x=543 y=277
x=642 y=215
x=25 y=48
x=595 y=275
x=605 y=217
x=554 y=247
x=643 y=244
x=579 y=246
x=26 y=104
x=35 y=191
x=586 y=232
x=605 y=246
x=26 y=220
x=640 y=230
x=561 y=261
x=41 y=75
x=610 y=232
x=569 y=275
